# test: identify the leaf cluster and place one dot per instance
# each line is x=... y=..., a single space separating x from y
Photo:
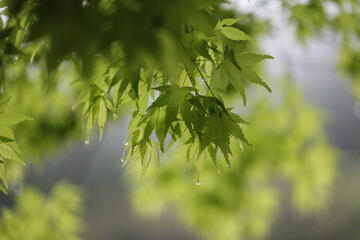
x=194 y=51
x=9 y=150
x=184 y=114
x=289 y=147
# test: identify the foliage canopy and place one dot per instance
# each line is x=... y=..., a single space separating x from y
x=182 y=68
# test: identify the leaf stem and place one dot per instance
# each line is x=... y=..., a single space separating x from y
x=203 y=77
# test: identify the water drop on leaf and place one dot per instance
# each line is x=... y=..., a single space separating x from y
x=87 y=141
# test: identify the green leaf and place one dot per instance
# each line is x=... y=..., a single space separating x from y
x=237 y=118
x=117 y=77
x=186 y=115
x=143 y=99
x=102 y=116
x=109 y=105
x=171 y=113
x=11 y=118
x=10 y=49
x=250 y=58
x=160 y=128
x=5 y=33
x=177 y=131
x=248 y=74
x=7 y=152
x=162 y=100
x=6 y=134
x=4 y=103
x=235 y=34
x=202 y=48
x=212 y=152
x=163 y=88
x=91 y=114
x=227 y=22
x=149 y=127
x=234 y=129
x=210 y=130
x=236 y=81
x=4 y=185
x=3 y=189
x=223 y=139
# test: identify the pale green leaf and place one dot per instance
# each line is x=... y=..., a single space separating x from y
x=250 y=58
x=6 y=134
x=109 y=105
x=223 y=140
x=149 y=127
x=7 y=152
x=11 y=118
x=4 y=103
x=102 y=117
x=247 y=74
x=3 y=178
x=160 y=128
x=3 y=189
x=171 y=112
x=88 y=127
x=212 y=153
x=236 y=118
x=236 y=81
x=228 y=22
x=234 y=129
x=235 y=34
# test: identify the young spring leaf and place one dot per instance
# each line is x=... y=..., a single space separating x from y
x=235 y=34
x=250 y=58
x=247 y=74
x=102 y=117
x=9 y=153
x=9 y=150
x=4 y=103
x=11 y=118
x=227 y=22
x=6 y=134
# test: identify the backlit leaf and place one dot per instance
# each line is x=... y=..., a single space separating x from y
x=235 y=34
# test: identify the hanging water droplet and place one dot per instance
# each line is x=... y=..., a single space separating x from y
x=122 y=160
x=126 y=143
x=228 y=165
x=198 y=182
x=16 y=57
x=87 y=141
